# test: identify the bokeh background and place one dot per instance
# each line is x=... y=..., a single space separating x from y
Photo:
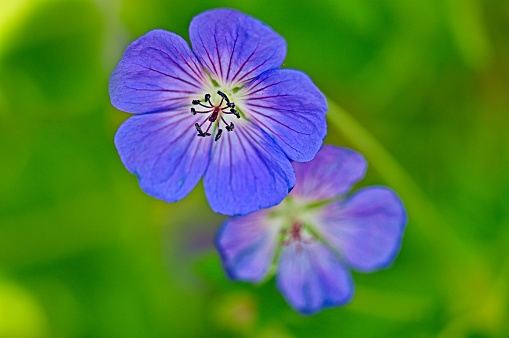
x=85 y=253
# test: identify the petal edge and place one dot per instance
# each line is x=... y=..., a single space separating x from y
x=247 y=245
x=366 y=228
x=311 y=278
x=158 y=72
x=235 y=47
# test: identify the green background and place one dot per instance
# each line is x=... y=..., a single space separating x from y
x=85 y=253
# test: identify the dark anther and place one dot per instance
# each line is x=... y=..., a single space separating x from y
x=218 y=135
x=223 y=95
x=234 y=112
x=200 y=132
x=216 y=115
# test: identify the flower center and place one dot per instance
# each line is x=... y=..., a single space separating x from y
x=296 y=234
x=214 y=114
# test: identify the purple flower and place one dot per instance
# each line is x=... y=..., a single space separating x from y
x=317 y=233
x=224 y=110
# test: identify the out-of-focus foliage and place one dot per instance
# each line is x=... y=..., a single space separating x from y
x=84 y=253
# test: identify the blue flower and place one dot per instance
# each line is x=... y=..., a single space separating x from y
x=224 y=111
x=317 y=233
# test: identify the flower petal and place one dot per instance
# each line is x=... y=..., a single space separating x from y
x=235 y=47
x=366 y=229
x=331 y=173
x=311 y=278
x=247 y=245
x=247 y=172
x=158 y=72
x=164 y=152
x=288 y=106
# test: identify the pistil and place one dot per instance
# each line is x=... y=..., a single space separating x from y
x=296 y=234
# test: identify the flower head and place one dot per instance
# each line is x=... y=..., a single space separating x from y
x=223 y=110
x=317 y=233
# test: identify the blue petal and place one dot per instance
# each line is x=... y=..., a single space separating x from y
x=247 y=245
x=311 y=278
x=235 y=47
x=366 y=229
x=164 y=152
x=158 y=72
x=288 y=106
x=331 y=173
x=247 y=172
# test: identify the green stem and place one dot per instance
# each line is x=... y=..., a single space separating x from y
x=464 y=266
x=422 y=213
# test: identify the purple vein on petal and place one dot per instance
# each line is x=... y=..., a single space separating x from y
x=177 y=64
x=198 y=70
x=273 y=133
x=218 y=58
x=277 y=121
x=166 y=149
x=171 y=76
x=160 y=90
x=212 y=65
x=250 y=92
x=257 y=98
x=253 y=117
x=258 y=149
x=244 y=64
x=231 y=56
x=158 y=129
x=278 y=109
x=250 y=166
x=162 y=100
x=231 y=157
x=254 y=69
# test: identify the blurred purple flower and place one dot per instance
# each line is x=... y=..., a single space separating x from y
x=317 y=233
x=230 y=87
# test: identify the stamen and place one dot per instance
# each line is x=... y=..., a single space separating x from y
x=194 y=111
x=216 y=114
x=234 y=112
x=219 y=133
x=223 y=95
x=200 y=132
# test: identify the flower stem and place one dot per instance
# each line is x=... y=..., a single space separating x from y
x=422 y=213
x=463 y=267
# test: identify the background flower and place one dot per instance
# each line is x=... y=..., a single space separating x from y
x=320 y=233
x=224 y=110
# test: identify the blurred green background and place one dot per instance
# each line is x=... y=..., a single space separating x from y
x=85 y=253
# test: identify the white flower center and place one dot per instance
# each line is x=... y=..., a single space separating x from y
x=296 y=219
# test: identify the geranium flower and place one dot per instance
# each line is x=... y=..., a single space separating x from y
x=224 y=110
x=317 y=233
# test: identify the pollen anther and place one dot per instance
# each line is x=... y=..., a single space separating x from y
x=216 y=114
